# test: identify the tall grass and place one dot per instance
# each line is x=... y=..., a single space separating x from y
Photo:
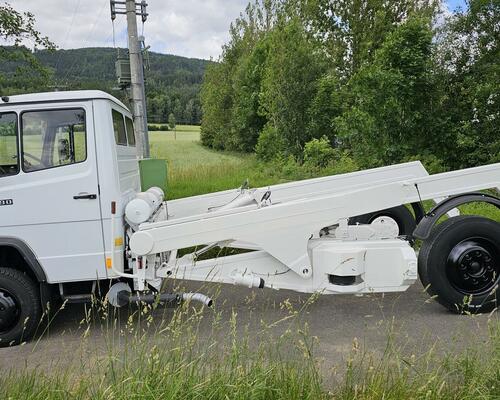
x=196 y=353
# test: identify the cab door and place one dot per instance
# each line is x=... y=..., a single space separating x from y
x=56 y=208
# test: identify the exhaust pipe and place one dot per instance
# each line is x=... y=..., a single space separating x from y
x=120 y=295
x=197 y=297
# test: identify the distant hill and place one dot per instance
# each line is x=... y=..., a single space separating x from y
x=98 y=63
x=172 y=82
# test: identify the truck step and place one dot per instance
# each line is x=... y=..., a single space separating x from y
x=77 y=298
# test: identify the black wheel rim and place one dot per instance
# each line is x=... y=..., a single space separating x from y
x=473 y=266
x=10 y=311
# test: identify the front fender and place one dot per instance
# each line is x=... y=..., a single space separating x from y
x=27 y=254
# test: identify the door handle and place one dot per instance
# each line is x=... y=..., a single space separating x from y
x=85 y=196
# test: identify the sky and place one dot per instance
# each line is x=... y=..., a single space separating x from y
x=190 y=28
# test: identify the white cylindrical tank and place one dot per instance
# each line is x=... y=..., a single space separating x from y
x=140 y=209
x=157 y=195
x=157 y=191
x=144 y=205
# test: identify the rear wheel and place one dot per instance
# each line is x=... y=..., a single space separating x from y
x=400 y=216
x=20 y=308
x=460 y=264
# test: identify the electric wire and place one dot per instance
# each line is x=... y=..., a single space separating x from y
x=91 y=31
x=67 y=34
x=113 y=27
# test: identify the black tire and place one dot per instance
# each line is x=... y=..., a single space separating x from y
x=20 y=307
x=403 y=217
x=459 y=264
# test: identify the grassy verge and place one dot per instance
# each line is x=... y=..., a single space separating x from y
x=193 y=353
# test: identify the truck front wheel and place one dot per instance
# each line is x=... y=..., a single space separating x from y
x=460 y=264
x=20 y=308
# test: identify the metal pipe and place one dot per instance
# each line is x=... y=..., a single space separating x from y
x=197 y=297
x=170 y=299
x=112 y=244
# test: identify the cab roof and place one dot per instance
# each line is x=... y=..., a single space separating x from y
x=49 y=97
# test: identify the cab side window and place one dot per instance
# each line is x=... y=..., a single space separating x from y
x=9 y=164
x=130 y=131
x=53 y=138
x=119 y=128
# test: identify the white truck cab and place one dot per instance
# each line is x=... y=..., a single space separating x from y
x=63 y=157
x=72 y=214
x=59 y=169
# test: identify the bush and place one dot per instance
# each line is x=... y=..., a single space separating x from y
x=157 y=127
x=270 y=144
x=342 y=163
x=321 y=159
x=318 y=153
x=432 y=164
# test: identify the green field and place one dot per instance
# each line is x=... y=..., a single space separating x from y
x=194 y=169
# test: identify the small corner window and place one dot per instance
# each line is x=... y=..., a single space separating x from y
x=130 y=131
x=119 y=128
x=53 y=138
x=9 y=164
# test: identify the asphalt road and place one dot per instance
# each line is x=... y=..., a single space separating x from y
x=416 y=323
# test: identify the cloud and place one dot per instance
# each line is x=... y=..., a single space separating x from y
x=191 y=28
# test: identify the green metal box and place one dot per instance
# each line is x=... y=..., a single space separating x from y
x=123 y=71
x=153 y=173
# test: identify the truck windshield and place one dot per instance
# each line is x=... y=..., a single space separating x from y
x=8 y=144
x=53 y=138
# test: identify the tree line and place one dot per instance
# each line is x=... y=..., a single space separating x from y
x=374 y=81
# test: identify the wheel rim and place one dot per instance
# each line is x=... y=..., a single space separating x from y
x=473 y=266
x=10 y=311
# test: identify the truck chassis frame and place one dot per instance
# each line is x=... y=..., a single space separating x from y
x=297 y=234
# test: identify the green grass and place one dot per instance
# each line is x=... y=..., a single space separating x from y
x=196 y=354
x=483 y=209
x=194 y=169
x=33 y=145
x=7 y=150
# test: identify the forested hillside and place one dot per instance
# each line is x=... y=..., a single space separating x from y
x=172 y=82
x=369 y=82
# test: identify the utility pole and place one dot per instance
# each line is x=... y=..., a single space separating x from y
x=138 y=94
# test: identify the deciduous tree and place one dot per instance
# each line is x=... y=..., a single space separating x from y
x=15 y=28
